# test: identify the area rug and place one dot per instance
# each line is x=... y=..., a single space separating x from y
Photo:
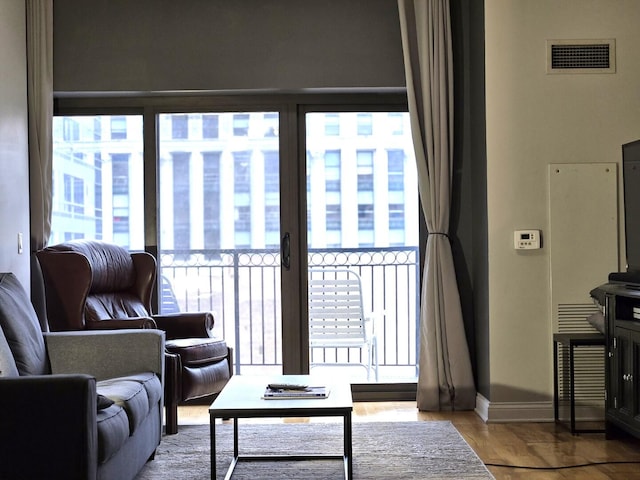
x=381 y=450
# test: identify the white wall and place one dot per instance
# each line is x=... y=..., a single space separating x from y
x=534 y=119
x=14 y=171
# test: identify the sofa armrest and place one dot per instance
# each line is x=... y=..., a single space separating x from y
x=186 y=325
x=106 y=353
x=48 y=425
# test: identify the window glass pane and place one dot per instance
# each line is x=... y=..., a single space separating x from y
x=219 y=227
x=365 y=124
x=210 y=126
x=97 y=179
x=180 y=126
x=362 y=215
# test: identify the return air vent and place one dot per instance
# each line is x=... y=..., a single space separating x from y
x=581 y=56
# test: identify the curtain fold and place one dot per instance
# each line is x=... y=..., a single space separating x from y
x=445 y=380
x=39 y=14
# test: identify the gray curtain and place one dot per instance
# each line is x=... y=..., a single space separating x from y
x=39 y=15
x=445 y=380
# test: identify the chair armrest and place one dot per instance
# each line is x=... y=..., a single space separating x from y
x=186 y=325
x=52 y=417
x=120 y=323
x=106 y=353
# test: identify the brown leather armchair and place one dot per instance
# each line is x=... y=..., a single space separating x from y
x=97 y=285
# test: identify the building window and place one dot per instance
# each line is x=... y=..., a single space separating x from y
x=118 y=128
x=211 y=199
x=70 y=130
x=242 y=172
x=395 y=165
x=396 y=123
x=210 y=126
x=73 y=195
x=332 y=124
x=179 y=126
x=271 y=123
x=181 y=201
x=365 y=170
x=120 y=171
x=332 y=171
x=243 y=219
x=365 y=124
x=241 y=125
x=396 y=216
x=365 y=216
x=333 y=217
x=271 y=172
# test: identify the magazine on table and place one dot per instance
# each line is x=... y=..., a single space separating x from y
x=274 y=392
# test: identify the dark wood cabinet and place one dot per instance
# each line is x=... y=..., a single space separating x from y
x=622 y=358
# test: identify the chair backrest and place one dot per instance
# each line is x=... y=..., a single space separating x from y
x=90 y=280
x=19 y=331
x=336 y=313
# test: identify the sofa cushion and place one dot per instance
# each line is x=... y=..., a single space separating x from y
x=113 y=431
x=198 y=351
x=21 y=327
x=7 y=363
x=135 y=393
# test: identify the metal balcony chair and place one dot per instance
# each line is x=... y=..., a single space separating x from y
x=337 y=317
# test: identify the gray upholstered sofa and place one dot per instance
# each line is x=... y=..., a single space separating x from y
x=75 y=405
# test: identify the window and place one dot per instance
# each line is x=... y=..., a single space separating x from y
x=365 y=123
x=71 y=130
x=179 y=126
x=98 y=170
x=396 y=216
x=118 y=128
x=334 y=217
x=73 y=195
x=120 y=172
x=271 y=124
x=242 y=172
x=211 y=199
x=396 y=123
x=365 y=216
x=332 y=171
x=332 y=124
x=365 y=170
x=271 y=172
x=395 y=162
x=210 y=126
x=241 y=125
x=181 y=201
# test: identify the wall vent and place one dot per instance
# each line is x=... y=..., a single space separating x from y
x=581 y=56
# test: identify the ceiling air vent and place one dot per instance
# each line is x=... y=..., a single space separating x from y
x=581 y=56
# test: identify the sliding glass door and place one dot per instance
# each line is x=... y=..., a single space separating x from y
x=219 y=227
x=240 y=205
x=362 y=220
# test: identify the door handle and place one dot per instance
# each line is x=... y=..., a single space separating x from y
x=285 y=251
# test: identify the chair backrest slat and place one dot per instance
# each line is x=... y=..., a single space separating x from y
x=336 y=311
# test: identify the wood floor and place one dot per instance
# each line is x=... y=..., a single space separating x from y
x=523 y=444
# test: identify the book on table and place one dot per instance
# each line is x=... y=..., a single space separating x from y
x=272 y=393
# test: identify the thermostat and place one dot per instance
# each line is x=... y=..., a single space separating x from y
x=526 y=239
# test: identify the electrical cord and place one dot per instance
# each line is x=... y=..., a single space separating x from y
x=562 y=467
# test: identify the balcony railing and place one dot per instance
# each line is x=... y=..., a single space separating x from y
x=242 y=288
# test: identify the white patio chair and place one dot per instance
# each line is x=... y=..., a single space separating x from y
x=337 y=318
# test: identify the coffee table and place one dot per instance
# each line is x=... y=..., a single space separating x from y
x=242 y=398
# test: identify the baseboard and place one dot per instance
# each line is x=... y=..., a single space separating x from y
x=503 y=412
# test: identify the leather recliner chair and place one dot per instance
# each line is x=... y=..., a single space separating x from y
x=92 y=285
